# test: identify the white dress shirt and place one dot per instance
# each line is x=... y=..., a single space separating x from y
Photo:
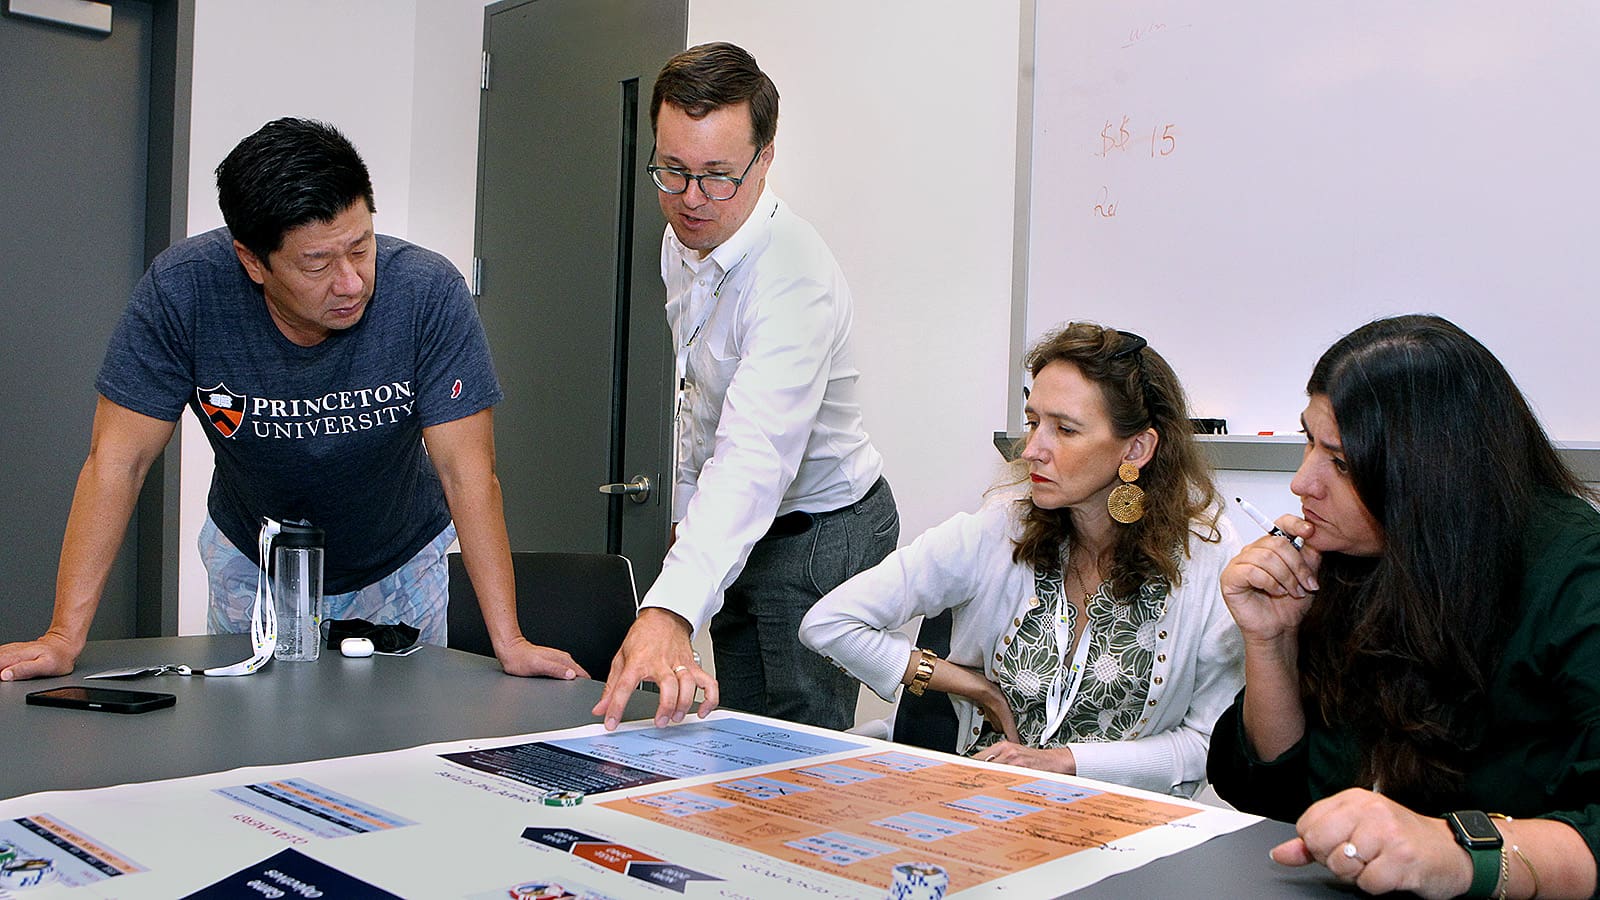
x=768 y=417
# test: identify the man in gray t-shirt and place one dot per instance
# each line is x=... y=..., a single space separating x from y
x=342 y=378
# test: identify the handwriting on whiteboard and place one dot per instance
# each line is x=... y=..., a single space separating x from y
x=1105 y=209
x=1135 y=35
x=1116 y=137
x=1145 y=32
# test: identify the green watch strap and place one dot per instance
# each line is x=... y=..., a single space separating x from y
x=1485 y=871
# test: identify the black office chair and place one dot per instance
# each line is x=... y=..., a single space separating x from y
x=928 y=721
x=582 y=603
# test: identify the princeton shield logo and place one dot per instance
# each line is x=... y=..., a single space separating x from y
x=223 y=408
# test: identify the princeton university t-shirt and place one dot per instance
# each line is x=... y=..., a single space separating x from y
x=330 y=434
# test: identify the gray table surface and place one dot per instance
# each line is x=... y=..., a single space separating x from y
x=1231 y=866
x=292 y=712
x=287 y=712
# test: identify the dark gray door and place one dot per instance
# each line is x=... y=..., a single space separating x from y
x=80 y=214
x=569 y=237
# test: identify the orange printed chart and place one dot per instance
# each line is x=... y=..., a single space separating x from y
x=857 y=817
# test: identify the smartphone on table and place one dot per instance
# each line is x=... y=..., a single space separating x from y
x=117 y=700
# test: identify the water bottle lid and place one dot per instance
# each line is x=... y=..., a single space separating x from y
x=298 y=536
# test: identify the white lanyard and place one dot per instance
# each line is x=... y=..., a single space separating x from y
x=681 y=366
x=263 y=615
x=681 y=362
x=1055 y=704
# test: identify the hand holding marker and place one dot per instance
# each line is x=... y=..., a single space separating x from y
x=1267 y=526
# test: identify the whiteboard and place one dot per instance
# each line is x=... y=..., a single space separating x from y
x=1243 y=182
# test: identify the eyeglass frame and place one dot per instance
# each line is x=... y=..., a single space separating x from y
x=699 y=180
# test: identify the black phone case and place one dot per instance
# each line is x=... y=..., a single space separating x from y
x=102 y=699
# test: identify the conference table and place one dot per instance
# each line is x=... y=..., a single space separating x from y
x=337 y=707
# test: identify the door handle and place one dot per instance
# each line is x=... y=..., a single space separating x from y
x=637 y=490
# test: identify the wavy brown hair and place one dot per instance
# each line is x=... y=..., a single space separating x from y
x=1450 y=460
x=1140 y=391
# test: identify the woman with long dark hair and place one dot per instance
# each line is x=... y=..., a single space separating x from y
x=1430 y=658
x=1087 y=628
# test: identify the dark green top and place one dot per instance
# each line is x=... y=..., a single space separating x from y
x=1541 y=753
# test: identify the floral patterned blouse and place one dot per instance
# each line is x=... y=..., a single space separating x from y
x=1116 y=677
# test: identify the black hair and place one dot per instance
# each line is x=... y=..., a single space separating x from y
x=1449 y=459
x=710 y=76
x=289 y=173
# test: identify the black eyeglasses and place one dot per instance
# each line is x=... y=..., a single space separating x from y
x=716 y=187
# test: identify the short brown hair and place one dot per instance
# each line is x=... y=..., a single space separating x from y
x=710 y=76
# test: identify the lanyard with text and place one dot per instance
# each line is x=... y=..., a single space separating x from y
x=682 y=361
x=681 y=372
x=263 y=615
x=263 y=627
x=681 y=368
x=1056 y=703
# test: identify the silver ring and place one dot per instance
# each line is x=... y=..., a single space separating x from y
x=1351 y=852
x=679 y=668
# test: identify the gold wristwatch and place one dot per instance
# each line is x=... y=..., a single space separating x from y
x=919 y=681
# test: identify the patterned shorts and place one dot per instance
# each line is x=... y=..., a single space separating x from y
x=417 y=594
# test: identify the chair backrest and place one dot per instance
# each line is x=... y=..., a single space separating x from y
x=582 y=603
x=928 y=721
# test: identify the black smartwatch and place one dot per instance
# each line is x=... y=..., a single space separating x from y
x=1477 y=834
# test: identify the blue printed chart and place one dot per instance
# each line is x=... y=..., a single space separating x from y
x=615 y=760
x=732 y=806
x=315 y=810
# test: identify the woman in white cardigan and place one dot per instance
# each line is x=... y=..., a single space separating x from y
x=1089 y=635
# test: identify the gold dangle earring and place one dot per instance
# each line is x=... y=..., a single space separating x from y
x=1126 y=501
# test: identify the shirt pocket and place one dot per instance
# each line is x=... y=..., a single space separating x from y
x=710 y=373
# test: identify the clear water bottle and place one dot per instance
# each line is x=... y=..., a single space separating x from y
x=297 y=591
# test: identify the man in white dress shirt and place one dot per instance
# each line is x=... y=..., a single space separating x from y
x=779 y=496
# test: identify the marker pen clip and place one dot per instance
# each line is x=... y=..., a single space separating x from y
x=1266 y=525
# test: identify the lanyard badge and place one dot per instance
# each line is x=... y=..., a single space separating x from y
x=263 y=615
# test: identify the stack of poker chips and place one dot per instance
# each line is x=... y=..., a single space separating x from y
x=563 y=798
x=918 y=881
